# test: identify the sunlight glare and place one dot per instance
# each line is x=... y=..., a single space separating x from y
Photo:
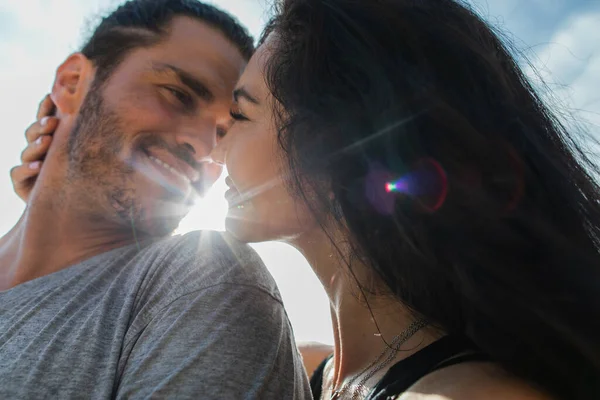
x=304 y=298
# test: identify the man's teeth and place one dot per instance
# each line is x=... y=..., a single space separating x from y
x=167 y=166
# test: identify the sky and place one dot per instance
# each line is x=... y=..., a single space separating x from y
x=557 y=41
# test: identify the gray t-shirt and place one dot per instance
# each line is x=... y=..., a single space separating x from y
x=195 y=316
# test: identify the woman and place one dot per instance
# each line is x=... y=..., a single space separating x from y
x=452 y=220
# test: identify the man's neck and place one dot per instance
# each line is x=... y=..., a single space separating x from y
x=51 y=237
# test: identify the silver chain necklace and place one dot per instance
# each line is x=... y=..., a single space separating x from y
x=377 y=365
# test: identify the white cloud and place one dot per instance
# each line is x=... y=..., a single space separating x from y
x=572 y=47
x=570 y=64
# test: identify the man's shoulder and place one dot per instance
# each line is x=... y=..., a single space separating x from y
x=203 y=259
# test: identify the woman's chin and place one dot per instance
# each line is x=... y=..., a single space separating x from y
x=243 y=230
x=249 y=224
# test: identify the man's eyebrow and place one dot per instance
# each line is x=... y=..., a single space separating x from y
x=199 y=88
x=242 y=93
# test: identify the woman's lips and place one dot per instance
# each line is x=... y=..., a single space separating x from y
x=232 y=195
x=234 y=198
x=229 y=182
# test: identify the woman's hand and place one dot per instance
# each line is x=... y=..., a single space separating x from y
x=39 y=138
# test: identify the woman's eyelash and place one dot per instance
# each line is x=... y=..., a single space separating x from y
x=237 y=116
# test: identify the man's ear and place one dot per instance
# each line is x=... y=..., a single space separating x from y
x=72 y=82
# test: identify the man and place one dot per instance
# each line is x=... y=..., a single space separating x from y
x=97 y=300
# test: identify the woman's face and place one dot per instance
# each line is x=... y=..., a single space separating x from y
x=260 y=206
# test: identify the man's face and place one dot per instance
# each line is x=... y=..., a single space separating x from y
x=142 y=139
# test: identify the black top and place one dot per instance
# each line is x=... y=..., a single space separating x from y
x=447 y=351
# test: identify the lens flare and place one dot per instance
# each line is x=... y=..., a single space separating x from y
x=396 y=186
x=427 y=183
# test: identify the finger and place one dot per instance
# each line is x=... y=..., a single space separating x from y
x=45 y=126
x=45 y=108
x=36 y=151
x=23 y=172
x=22 y=175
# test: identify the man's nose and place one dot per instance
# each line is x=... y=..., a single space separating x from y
x=199 y=140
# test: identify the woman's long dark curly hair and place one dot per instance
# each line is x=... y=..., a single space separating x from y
x=499 y=241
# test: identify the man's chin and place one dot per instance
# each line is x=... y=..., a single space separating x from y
x=201 y=187
x=162 y=222
x=210 y=173
x=158 y=228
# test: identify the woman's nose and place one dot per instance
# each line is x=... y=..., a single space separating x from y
x=219 y=152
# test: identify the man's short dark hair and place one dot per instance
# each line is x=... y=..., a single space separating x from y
x=143 y=23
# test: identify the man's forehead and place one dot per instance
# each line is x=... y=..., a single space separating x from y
x=202 y=50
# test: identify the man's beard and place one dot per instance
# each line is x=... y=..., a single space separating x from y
x=98 y=173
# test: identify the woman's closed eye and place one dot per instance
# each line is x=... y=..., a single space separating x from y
x=237 y=116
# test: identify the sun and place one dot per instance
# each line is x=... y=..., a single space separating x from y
x=304 y=298
x=209 y=212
